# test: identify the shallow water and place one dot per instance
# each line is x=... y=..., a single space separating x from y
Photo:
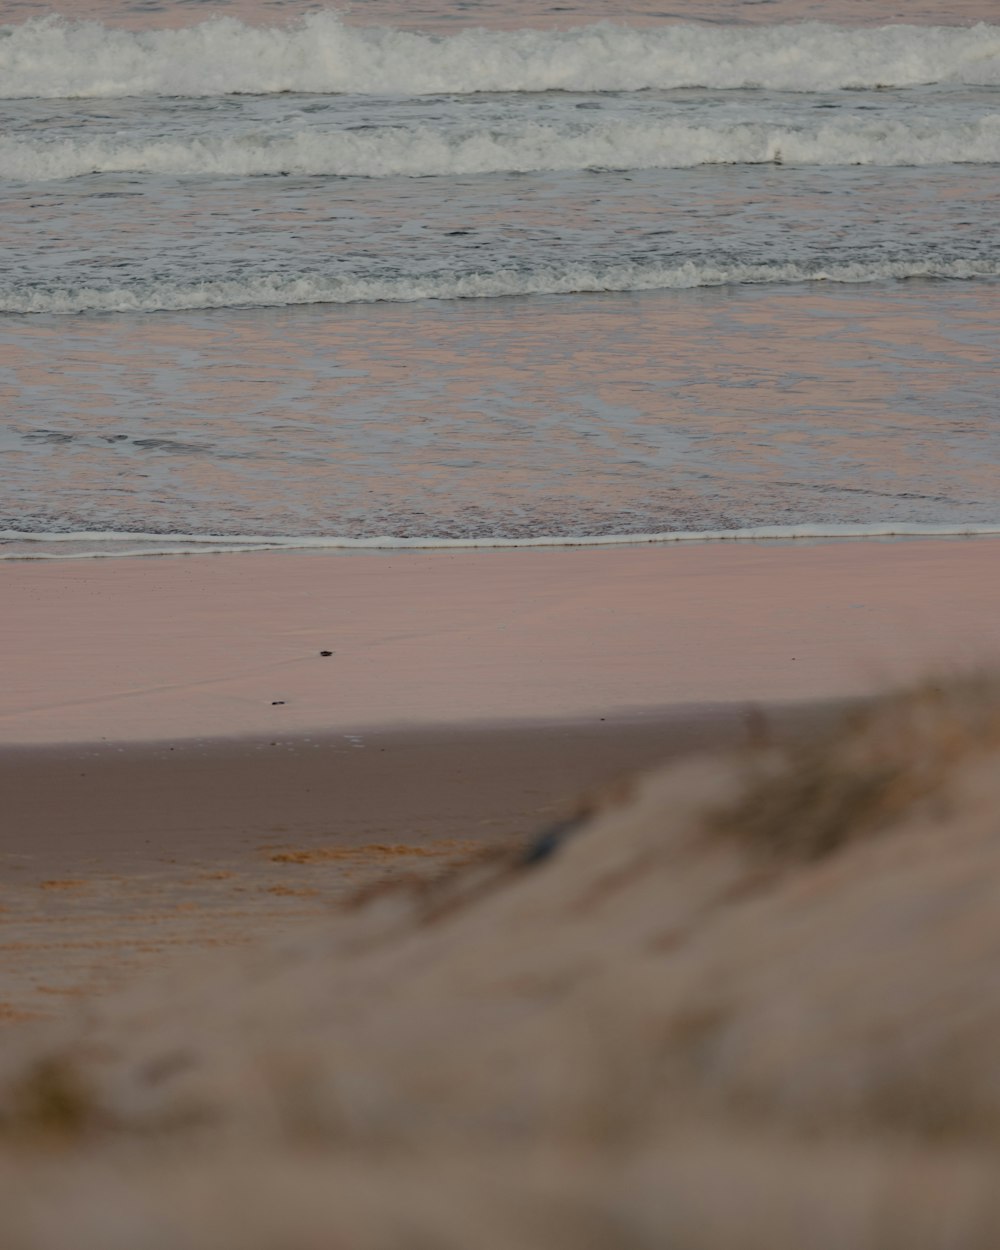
x=694 y=271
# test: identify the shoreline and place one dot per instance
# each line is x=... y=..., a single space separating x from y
x=36 y=542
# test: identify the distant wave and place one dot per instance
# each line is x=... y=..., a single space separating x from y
x=53 y=57
x=261 y=291
x=89 y=545
x=423 y=150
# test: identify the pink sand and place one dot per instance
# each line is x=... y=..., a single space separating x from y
x=175 y=647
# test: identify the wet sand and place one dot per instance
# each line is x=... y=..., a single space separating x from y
x=165 y=649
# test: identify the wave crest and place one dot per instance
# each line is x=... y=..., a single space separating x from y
x=52 y=57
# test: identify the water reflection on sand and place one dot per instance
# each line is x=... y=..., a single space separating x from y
x=657 y=411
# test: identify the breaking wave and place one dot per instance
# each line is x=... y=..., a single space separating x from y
x=267 y=291
x=423 y=150
x=53 y=57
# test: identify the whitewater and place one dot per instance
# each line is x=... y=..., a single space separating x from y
x=340 y=280
x=423 y=151
x=50 y=57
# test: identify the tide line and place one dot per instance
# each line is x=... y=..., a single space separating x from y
x=148 y=544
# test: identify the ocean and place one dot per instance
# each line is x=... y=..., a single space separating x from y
x=462 y=272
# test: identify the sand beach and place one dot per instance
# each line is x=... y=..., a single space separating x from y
x=573 y=943
x=500 y=702
x=182 y=766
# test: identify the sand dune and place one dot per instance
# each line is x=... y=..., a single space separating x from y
x=749 y=1001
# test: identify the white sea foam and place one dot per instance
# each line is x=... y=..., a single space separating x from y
x=51 y=57
x=108 y=544
x=424 y=150
x=261 y=292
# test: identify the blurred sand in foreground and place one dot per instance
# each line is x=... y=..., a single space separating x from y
x=749 y=1002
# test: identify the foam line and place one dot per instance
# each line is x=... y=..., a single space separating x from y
x=268 y=291
x=215 y=544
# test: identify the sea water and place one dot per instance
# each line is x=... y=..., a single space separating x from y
x=463 y=271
